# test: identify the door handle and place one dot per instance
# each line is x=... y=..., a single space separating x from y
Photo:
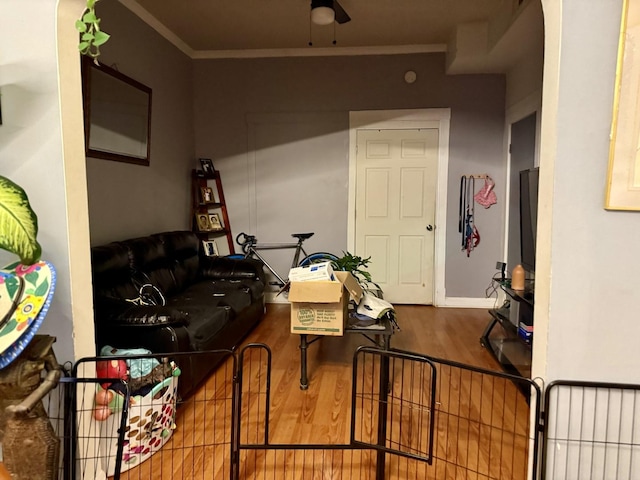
x=429 y=227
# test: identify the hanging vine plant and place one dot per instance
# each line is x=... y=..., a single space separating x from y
x=91 y=37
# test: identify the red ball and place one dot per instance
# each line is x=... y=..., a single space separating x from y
x=111 y=369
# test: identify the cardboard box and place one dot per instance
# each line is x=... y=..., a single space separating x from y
x=320 y=307
x=314 y=272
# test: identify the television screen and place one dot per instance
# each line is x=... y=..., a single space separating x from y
x=528 y=217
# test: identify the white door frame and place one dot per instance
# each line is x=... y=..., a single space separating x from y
x=399 y=120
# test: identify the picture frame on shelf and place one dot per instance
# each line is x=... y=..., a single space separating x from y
x=207 y=166
x=203 y=222
x=210 y=248
x=216 y=223
x=206 y=195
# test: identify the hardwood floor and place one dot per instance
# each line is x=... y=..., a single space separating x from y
x=481 y=422
x=451 y=334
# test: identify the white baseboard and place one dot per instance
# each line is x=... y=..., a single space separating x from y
x=462 y=302
x=450 y=302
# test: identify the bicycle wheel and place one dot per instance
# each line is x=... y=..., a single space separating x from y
x=317 y=257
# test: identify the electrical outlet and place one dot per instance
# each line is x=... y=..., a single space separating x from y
x=500 y=265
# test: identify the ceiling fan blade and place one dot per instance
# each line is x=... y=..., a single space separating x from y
x=341 y=15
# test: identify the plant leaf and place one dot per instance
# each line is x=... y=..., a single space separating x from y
x=18 y=223
x=101 y=38
x=89 y=17
x=81 y=26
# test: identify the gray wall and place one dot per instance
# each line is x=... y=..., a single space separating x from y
x=228 y=94
x=130 y=200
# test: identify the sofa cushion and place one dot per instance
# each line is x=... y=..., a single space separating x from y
x=112 y=272
x=183 y=249
x=205 y=323
x=215 y=293
x=231 y=268
x=151 y=264
x=229 y=273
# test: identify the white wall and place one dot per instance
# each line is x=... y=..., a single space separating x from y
x=31 y=153
x=587 y=278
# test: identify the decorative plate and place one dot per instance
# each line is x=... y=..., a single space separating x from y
x=25 y=297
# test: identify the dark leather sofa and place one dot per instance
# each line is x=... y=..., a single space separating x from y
x=210 y=303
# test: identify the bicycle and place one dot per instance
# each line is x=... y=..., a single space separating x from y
x=250 y=246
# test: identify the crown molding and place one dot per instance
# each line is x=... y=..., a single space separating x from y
x=319 y=51
x=172 y=38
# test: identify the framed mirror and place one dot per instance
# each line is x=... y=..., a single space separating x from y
x=117 y=115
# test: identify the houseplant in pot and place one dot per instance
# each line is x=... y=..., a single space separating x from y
x=26 y=286
x=357 y=266
x=30 y=446
x=371 y=306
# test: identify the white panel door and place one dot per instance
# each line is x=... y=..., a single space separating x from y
x=396 y=178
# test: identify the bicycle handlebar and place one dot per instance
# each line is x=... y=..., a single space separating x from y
x=245 y=241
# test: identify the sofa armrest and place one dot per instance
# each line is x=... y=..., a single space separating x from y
x=224 y=268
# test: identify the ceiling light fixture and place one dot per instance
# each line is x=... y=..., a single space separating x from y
x=322 y=12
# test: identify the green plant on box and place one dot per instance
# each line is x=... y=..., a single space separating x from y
x=356 y=265
x=18 y=223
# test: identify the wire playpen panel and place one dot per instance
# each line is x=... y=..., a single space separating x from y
x=485 y=427
x=83 y=436
x=452 y=421
x=592 y=430
x=412 y=417
x=401 y=416
x=166 y=437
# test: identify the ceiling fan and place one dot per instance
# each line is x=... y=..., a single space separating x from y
x=325 y=12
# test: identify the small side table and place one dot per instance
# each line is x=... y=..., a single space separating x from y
x=379 y=337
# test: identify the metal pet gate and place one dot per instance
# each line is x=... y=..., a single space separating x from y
x=412 y=417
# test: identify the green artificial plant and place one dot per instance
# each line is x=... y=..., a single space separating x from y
x=356 y=266
x=18 y=223
x=91 y=37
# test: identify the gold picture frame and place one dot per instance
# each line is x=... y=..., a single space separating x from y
x=216 y=222
x=203 y=222
x=206 y=195
x=623 y=177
